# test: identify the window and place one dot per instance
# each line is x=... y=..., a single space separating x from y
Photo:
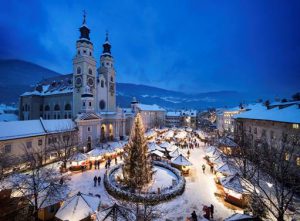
x=102 y=63
x=40 y=142
x=7 y=148
x=102 y=83
x=56 y=107
x=102 y=104
x=66 y=116
x=78 y=52
x=28 y=144
x=90 y=53
x=89 y=129
x=90 y=104
x=90 y=71
x=287 y=156
x=41 y=107
x=84 y=51
x=68 y=107
x=295 y=126
x=107 y=63
x=47 y=108
x=111 y=79
x=83 y=104
x=70 y=115
x=66 y=138
x=58 y=116
x=78 y=70
x=298 y=161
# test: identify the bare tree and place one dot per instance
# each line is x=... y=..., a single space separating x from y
x=65 y=145
x=270 y=167
x=40 y=184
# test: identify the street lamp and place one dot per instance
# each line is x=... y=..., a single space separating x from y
x=84 y=147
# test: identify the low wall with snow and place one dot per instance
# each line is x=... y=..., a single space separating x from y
x=149 y=198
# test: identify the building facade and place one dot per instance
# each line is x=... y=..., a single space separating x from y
x=88 y=95
x=225 y=120
x=183 y=118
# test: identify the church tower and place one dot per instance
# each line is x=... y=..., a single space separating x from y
x=84 y=68
x=106 y=92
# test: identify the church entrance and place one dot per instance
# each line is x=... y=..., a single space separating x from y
x=111 y=132
x=103 y=131
x=89 y=144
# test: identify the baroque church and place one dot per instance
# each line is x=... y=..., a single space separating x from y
x=88 y=95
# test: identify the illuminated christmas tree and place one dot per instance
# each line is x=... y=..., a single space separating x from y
x=137 y=169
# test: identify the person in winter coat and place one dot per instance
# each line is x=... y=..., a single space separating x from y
x=99 y=180
x=95 y=181
x=212 y=211
x=203 y=168
x=194 y=216
x=95 y=163
x=98 y=164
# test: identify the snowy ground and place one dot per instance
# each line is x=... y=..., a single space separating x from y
x=200 y=189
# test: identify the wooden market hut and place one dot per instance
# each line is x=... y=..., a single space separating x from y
x=228 y=146
x=182 y=163
x=116 y=213
x=78 y=162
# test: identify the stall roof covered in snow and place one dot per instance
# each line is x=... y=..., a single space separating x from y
x=181 y=161
x=30 y=128
x=227 y=142
x=290 y=114
x=234 y=182
x=148 y=107
x=238 y=216
x=158 y=153
x=78 y=157
x=116 y=213
x=78 y=207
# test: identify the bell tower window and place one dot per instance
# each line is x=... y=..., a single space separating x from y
x=90 y=71
x=102 y=83
x=78 y=70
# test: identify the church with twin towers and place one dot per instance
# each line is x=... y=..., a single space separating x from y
x=88 y=95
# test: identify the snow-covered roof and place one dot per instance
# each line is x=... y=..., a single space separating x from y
x=227 y=169
x=116 y=213
x=150 y=133
x=169 y=134
x=30 y=128
x=165 y=145
x=227 y=142
x=289 y=114
x=173 y=114
x=8 y=117
x=153 y=146
x=58 y=125
x=55 y=85
x=176 y=153
x=234 y=183
x=181 y=135
x=78 y=157
x=158 y=153
x=78 y=207
x=96 y=152
x=148 y=107
x=181 y=161
x=239 y=216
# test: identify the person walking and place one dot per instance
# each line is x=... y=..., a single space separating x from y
x=95 y=164
x=95 y=181
x=99 y=180
x=98 y=164
x=203 y=168
x=194 y=216
x=212 y=211
x=91 y=164
x=116 y=160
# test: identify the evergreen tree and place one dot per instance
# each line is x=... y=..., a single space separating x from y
x=137 y=168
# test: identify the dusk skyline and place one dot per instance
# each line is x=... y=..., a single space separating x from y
x=187 y=46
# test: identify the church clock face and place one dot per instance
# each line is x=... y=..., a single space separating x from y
x=78 y=81
x=91 y=82
x=111 y=88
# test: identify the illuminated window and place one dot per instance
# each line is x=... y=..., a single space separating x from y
x=287 y=156
x=295 y=126
x=298 y=161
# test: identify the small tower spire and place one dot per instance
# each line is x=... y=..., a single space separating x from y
x=106 y=46
x=84 y=17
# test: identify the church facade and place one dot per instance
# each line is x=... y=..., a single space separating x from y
x=88 y=95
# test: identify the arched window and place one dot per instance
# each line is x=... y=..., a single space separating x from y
x=102 y=104
x=68 y=107
x=90 y=71
x=56 y=107
x=78 y=70
x=47 y=108
x=102 y=83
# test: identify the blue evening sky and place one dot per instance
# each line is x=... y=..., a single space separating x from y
x=184 y=45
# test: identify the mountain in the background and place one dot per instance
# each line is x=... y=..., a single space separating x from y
x=17 y=76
